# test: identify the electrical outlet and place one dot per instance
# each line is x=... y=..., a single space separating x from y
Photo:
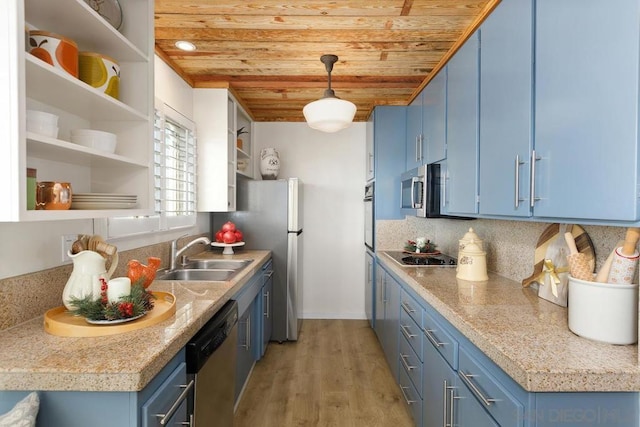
x=67 y=241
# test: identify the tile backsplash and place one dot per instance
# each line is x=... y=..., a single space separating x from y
x=510 y=245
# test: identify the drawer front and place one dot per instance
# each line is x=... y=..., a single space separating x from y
x=171 y=394
x=446 y=345
x=411 y=307
x=410 y=330
x=492 y=395
x=411 y=397
x=411 y=364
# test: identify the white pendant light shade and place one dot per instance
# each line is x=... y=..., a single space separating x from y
x=329 y=114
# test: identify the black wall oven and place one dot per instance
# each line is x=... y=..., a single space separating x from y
x=369 y=221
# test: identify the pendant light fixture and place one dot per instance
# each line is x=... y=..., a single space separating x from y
x=329 y=113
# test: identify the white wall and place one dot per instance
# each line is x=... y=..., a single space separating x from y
x=332 y=168
x=34 y=246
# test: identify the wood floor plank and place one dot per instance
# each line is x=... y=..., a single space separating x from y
x=335 y=375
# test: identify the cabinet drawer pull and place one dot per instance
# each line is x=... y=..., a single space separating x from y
x=517 y=195
x=267 y=297
x=407 y=308
x=403 y=358
x=433 y=338
x=406 y=333
x=406 y=399
x=166 y=417
x=268 y=274
x=466 y=378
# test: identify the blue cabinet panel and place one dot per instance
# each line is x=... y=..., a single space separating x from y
x=434 y=119
x=461 y=187
x=586 y=116
x=506 y=109
x=390 y=342
x=415 y=138
x=369 y=288
x=389 y=137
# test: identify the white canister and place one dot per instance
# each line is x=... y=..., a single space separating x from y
x=467 y=238
x=269 y=163
x=603 y=312
x=472 y=263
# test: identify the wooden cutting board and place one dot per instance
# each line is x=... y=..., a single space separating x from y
x=548 y=246
x=58 y=321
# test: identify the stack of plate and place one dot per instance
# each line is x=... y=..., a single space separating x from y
x=103 y=201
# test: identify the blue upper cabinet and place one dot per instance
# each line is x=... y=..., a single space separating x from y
x=506 y=109
x=461 y=187
x=415 y=138
x=586 y=112
x=389 y=159
x=434 y=118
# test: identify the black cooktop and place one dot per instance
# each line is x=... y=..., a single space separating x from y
x=409 y=260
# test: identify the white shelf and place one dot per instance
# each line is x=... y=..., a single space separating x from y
x=67 y=152
x=53 y=215
x=78 y=21
x=61 y=90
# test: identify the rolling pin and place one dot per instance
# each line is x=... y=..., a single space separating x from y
x=625 y=258
x=603 y=274
x=579 y=265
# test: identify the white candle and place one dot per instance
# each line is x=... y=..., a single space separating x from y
x=118 y=288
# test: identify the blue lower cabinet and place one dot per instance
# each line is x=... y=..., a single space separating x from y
x=267 y=306
x=146 y=407
x=448 y=381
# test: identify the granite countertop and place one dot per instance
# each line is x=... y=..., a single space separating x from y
x=31 y=359
x=526 y=336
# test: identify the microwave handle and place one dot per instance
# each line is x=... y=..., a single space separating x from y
x=414 y=181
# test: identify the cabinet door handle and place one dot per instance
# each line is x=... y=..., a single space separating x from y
x=452 y=410
x=407 y=308
x=466 y=378
x=444 y=404
x=517 y=192
x=370 y=162
x=420 y=143
x=248 y=341
x=267 y=312
x=406 y=333
x=444 y=178
x=404 y=394
x=268 y=274
x=416 y=148
x=433 y=338
x=534 y=159
x=166 y=417
x=403 y=359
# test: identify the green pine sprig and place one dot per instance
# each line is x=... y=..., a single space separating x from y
x=137 y=303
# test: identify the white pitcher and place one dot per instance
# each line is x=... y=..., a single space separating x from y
x=88 y=268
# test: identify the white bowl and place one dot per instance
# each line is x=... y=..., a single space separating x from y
x=40 y=117
x=100 y=140
x=43 y=129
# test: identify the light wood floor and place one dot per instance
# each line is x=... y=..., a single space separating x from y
x=334 y=375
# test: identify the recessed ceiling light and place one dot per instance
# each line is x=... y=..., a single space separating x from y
x=185 y=45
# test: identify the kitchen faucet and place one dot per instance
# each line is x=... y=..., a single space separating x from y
x=175 y=253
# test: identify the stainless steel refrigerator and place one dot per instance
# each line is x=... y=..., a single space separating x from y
x=269 y=214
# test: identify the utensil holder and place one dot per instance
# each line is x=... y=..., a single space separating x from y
x=603 y=312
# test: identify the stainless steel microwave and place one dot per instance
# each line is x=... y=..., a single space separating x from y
x=420 y=191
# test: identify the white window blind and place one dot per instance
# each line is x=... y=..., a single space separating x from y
x=174 y=156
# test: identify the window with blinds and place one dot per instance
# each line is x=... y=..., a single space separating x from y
x=175 y=171
x=174 y=146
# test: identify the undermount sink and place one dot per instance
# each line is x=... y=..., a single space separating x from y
x=203 y=275
x=209 y=264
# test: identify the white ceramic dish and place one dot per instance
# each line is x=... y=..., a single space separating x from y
x=42 y=123
x=113 y=322
x=100 y=140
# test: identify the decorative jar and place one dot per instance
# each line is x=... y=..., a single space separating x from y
x=269 y=163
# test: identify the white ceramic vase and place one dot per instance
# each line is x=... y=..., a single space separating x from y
x=269 y=163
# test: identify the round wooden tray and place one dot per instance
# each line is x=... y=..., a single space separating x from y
x=422 y=254
x=58 y=321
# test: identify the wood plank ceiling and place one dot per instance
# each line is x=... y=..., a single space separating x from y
x=268 y=51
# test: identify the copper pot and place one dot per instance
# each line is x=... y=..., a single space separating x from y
x=52 y=195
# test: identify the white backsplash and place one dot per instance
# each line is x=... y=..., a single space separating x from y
x=510 y=245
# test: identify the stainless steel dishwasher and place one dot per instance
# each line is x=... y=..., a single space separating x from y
x=211 y=363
